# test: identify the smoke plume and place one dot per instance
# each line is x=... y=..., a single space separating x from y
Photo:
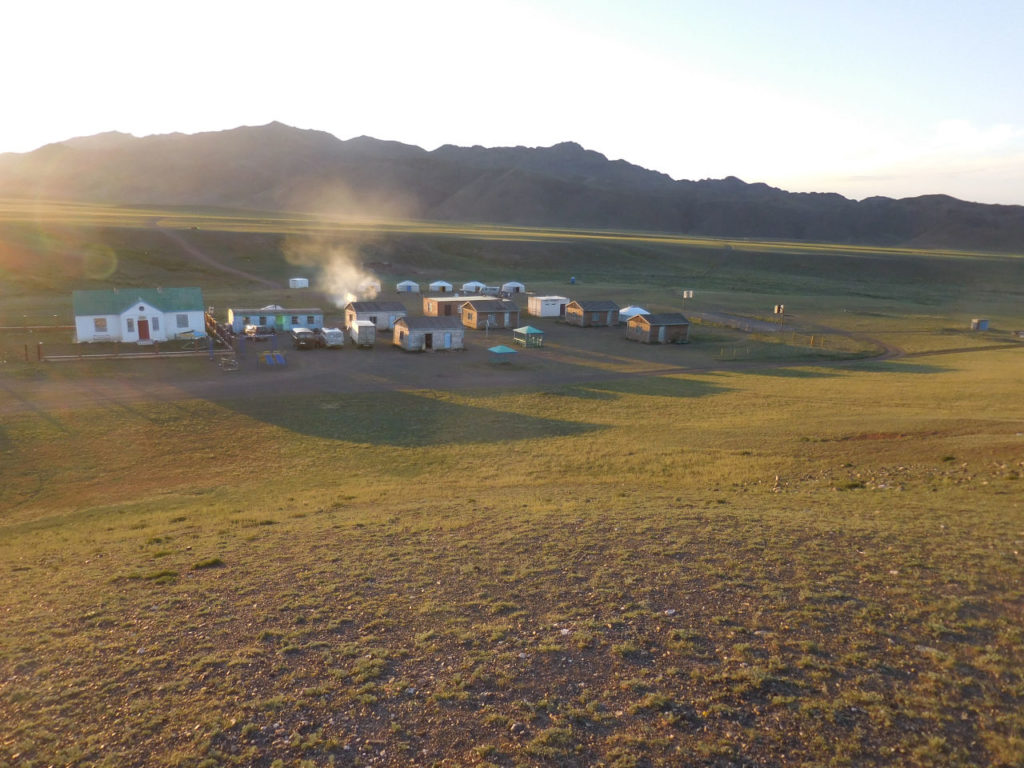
x=342 y=275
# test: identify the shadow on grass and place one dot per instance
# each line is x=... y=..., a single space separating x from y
x=402 y=419
x=796 y=373
x=896 y=366
x=655 y=386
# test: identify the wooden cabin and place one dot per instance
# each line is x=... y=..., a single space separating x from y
x=592 y=313
x=427 y=334
x=490 y=313
x=669 y=328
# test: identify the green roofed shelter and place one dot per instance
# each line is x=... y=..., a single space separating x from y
x=528 y=336
x=501 y=354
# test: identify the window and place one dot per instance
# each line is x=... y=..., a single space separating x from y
x=263 y=320
x=130 y=324
x=155 y=323
x=99 y=324
x=182 y=320
x=295 y=319
x=310 y=320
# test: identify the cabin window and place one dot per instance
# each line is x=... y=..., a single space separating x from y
x=295 y=319
x=130 y=324
x=310 y=320
x=373 y=319
x=99 y=324
x=263 y=320
x=155 y=323
x=182 y=319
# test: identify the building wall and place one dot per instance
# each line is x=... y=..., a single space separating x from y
x=415 y=340
x=125 y=327
x=543 y=306
x=478 y=320
x=444 y=307
x=673 y=334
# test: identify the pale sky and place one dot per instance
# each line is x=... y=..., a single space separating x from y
x=866 y=97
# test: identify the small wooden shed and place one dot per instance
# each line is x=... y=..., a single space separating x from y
x=528 y=336
x=426 y=334
x=443 y=306
x=668 y=328
x=592 y=313
x=490 y=313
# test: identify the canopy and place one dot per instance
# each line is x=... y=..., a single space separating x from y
x=528 y=336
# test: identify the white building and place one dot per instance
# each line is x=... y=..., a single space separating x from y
x=383 y=314
x=441 y=286
x=473 y=286
x=408 y=286
x=139 y=315
x=513 y=287
x=298 y=282
x=546 y=306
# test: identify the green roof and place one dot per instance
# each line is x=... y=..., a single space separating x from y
x=117 y=300
x=528 y=329
x=501 y=349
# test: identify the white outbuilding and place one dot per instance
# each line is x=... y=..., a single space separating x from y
x=546 y=306
x=298 y=282
x=627 y=312
x=408 y=286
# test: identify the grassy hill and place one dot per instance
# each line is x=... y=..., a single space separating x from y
x=771 y=559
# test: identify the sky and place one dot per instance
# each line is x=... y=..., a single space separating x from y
x=861 y=97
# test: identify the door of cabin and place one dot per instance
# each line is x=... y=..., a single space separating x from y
x=143 y=329
x=428 y=340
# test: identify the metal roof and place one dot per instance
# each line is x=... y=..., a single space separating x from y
x=596 y=306
x=666 y=318
x=431 y=323
x=486 y=304
x=376 y=306
x=117 y=300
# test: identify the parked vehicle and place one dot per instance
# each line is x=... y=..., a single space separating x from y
x=260 y=332
x=363 y=333
x=303 y=338
x=330 y=337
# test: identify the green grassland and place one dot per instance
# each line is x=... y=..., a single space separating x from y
x=780 y=557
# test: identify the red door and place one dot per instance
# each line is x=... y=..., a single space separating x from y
x=143 y=329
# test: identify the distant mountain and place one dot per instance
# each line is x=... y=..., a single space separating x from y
x=277 y=167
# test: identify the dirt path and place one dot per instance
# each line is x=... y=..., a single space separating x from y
x=176 y=237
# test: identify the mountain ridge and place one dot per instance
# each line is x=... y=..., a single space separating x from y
x=279 y=167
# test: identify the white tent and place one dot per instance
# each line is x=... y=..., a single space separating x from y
x=408 y=286
x=473 y=286
x=627 y=312
x=440 y=286
x=513 y=287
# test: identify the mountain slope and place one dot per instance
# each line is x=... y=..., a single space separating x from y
x=279 y=167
